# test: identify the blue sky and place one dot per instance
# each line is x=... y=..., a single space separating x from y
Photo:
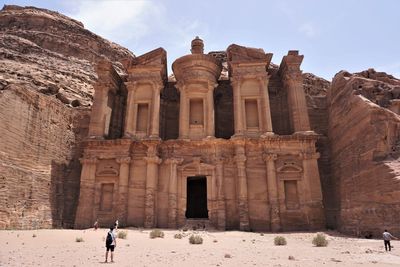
x=332 y=35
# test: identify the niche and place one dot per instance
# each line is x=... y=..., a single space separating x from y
x=251 y=111
x=142 y=117
x=106 y=199
x=196 y=115
x=291 y=195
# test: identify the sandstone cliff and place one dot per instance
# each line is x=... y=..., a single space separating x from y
x=365 y=143
x=46 y=77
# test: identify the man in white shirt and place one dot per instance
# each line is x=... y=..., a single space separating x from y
x=386 y=239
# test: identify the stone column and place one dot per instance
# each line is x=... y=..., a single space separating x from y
x=151 y=190
x=265 y=106
x=123 y=189
x=243 y=206
x=210 y=131
x=313 y=191
x=297 y=102
x=183 y=114
x=173 y=192
x=155 y=119
x=221 y=208
x=85 y=209
x=98 y=114
x=129 y=129
x=210 y=122
x=274 y=212
x=237 y=108
x=311 y=175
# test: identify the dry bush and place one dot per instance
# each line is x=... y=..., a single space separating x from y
x=195 y=239
x=320 y=240
x=178 y=236
x=122 y=234
x=156 y=233
x=280 y=241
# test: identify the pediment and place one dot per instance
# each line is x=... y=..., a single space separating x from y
x=237 y=53
x=155 y=57
x=107 y=168
x=290 y=167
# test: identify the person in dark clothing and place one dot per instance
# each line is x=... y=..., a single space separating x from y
x=111 y=243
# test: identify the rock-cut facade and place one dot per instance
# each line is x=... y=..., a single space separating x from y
x=226 y=139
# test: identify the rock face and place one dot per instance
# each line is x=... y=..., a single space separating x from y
x=365 y=150
x=46 y=77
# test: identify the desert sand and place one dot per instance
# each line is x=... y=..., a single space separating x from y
x=59 y=248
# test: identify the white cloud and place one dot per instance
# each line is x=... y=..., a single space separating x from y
x=308 y=29
x=117 y=20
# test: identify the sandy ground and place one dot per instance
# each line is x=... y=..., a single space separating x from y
x=59 y=248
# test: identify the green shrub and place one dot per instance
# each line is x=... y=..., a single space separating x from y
x=280 y=241
x=195 y=239
x=156 y=233
x=122 y=234
x=178 y=236
x=320 y=240
x=79 y=239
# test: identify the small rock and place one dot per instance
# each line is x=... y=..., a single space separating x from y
x=368 y=251
x=291 y=258
x=335 y=260
x=228 y=256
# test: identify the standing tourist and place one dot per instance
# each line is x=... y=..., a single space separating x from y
x=111 y=243
x=386 y=239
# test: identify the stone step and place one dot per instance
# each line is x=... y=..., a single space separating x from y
x=199 y=224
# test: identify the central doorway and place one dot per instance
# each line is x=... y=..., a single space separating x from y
x=196 y=206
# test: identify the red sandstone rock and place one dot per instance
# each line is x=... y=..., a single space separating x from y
x=365 y=152
x=46 y=67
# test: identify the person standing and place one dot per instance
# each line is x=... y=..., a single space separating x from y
x=111 y=243
x=386 y=239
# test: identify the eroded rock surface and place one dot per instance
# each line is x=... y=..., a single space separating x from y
x=46 y=75
x=365 y=141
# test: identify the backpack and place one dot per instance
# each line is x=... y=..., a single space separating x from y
x=109 y=239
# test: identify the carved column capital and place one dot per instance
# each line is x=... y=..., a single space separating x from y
x=309 y=155
x=91 y=160
x=292 y=76
x=220 y=160
x=123 y=160
x=153 y=159
x=270 y=156
x=235 y=81
x=174 y=161
x=240 y=158
x=131 y=86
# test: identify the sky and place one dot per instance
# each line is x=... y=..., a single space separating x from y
x=351 y=35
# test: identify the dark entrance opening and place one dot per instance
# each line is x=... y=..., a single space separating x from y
x=196 y=206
